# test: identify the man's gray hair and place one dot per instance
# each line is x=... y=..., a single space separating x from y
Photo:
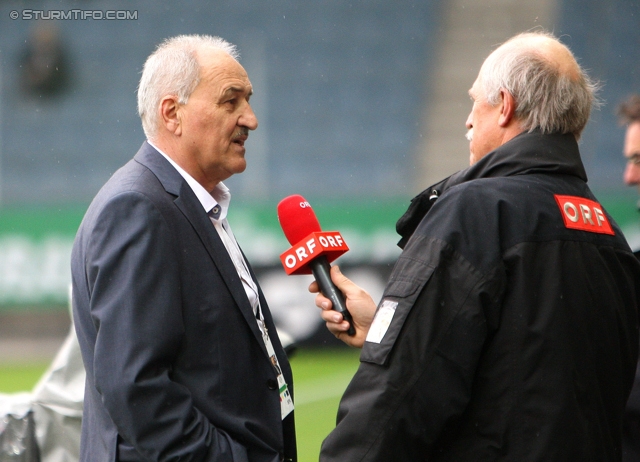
x=173 y=69
x=546 y=98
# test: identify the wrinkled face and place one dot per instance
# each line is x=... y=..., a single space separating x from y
x=483 y=129
x=632 y=153
x=217 y=117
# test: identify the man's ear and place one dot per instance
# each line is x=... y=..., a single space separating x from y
x=508 y=110
x=170 y=114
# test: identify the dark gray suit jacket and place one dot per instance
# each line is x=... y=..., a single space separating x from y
x=176 y=366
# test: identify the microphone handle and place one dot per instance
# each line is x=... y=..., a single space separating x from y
x=321 y=271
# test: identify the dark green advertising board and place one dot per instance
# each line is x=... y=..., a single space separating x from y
x=35 y=243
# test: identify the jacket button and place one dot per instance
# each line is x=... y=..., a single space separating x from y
x=272 y=384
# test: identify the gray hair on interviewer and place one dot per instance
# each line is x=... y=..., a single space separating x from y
x=546 y=98
x=173 y=69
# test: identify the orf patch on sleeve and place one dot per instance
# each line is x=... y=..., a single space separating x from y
x=583 y=214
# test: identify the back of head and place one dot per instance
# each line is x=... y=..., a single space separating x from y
x=173 y=69
x=553 y=93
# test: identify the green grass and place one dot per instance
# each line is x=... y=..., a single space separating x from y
x=320 y=376
x=20 y=377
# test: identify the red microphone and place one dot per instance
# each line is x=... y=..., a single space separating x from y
x=312 y=249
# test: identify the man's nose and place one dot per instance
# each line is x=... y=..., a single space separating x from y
x=632 y=174
x=468 y=123
x=248 y=118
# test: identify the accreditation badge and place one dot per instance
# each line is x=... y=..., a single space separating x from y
x=381 y=321
x=286 y=402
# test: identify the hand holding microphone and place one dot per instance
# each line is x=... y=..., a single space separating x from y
x=312 y=250
x=361 y=307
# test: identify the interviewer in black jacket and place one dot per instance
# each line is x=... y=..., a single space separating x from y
x=508 y=329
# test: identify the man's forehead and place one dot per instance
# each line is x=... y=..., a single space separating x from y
x=218 y=62
x=235 y=88
x=632 y=141
x=226 y=78
x=207 y=54
x=475 y=88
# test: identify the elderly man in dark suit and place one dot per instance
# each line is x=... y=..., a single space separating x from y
x=181 y=352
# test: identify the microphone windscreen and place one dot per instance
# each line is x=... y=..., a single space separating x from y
x=297 y=218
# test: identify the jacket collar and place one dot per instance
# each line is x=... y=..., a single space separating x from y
x=171 y=180
x=526 y=154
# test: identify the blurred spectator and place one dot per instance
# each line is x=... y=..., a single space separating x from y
x=629 y=112
x=44 y=65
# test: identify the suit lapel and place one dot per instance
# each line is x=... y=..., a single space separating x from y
x=193 y=211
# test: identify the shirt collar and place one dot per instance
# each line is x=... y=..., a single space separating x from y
x=219 y=197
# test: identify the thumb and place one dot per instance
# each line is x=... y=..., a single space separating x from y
x=339 y=279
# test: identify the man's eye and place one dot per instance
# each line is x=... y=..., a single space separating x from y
x=634 y=159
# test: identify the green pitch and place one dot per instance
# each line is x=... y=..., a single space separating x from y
x=320 y=375
x=20 y=377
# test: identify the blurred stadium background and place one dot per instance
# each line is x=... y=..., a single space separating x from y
x=361 y=105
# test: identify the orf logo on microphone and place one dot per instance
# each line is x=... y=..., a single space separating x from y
x=304 y=205
x=329 y=244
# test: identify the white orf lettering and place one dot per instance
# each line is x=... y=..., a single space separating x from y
x=323 y=241
x=573 y=215
x=339 y=240
x=311 y=244
x=305 y=205
x=301 y=253
x=290 y=261
x=586 y=213
x=599 y=216
x=332 y=241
